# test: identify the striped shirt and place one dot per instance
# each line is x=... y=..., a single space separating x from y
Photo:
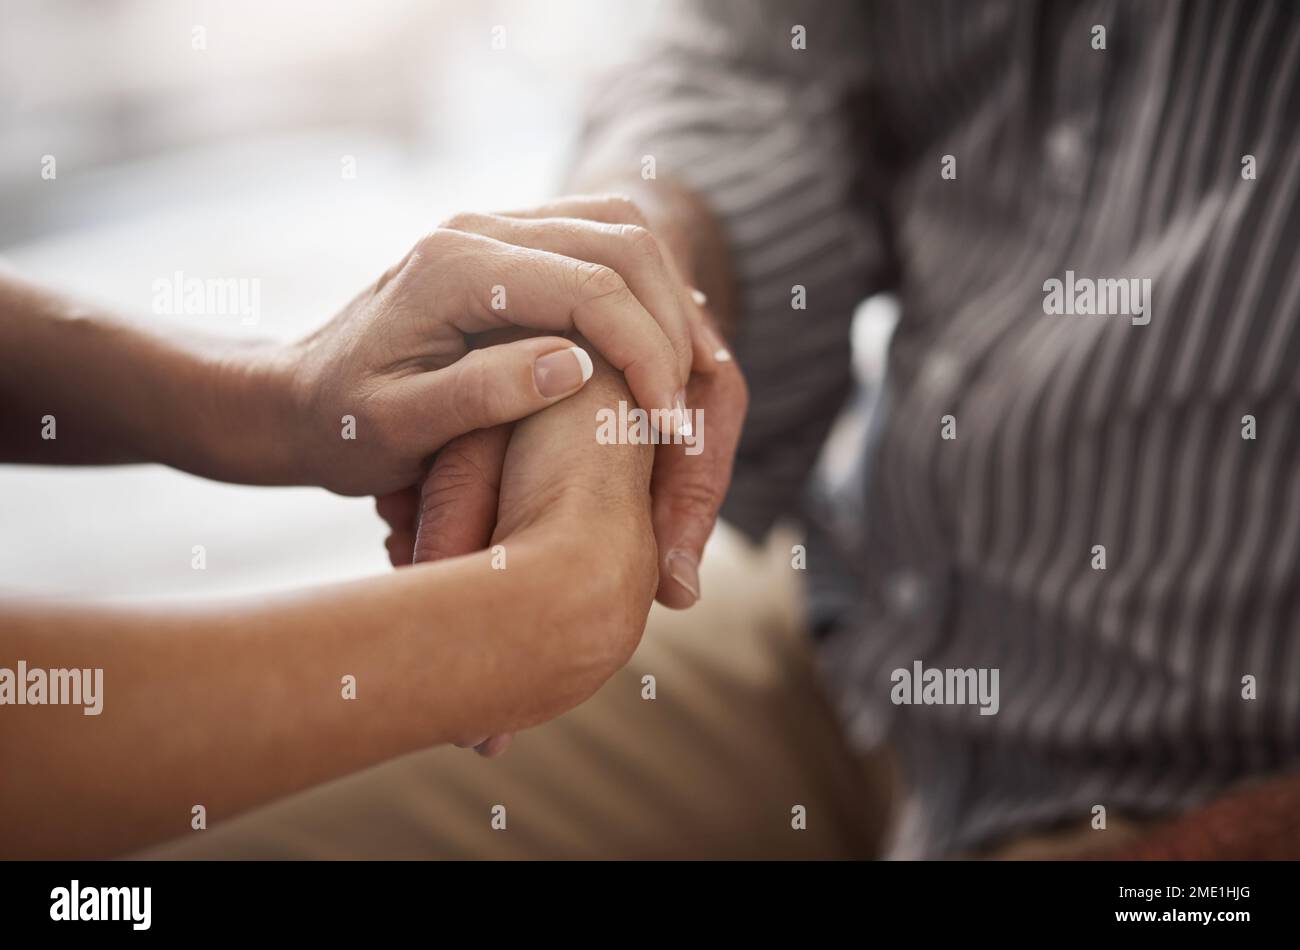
x=1103 y=507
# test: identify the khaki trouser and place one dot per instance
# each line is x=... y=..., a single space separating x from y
x=714 y=766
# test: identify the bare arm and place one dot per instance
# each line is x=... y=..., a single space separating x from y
x=231 y=704
x=78 y=386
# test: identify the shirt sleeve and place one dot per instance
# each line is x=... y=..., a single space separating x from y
x=727 y=104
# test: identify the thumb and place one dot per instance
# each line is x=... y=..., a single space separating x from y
x=491 y=386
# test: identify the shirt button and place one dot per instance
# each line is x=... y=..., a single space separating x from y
x=1065 y=156
x=905 y=592
x=942 y=372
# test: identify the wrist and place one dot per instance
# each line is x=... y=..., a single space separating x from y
x=579 y=604
x=252 y=423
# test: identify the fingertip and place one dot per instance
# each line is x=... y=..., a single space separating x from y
x=682 y=416
x=683 y=571
x=495 y=746
x=584 y=360
x=709 y=347
x=562 y=372
x=672 y=596
x=399 y=549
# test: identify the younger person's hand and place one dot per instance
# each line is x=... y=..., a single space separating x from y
x=546 y=476
x=398 y=365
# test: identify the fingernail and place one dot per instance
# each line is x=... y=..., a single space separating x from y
x=685 y=571
x=720 y=352
x=682 y=415
x=491 y=748
x=562 y=371
x=698 y=296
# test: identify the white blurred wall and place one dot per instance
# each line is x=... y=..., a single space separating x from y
x=227 y=162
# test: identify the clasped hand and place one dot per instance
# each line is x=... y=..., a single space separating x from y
x=427 y=364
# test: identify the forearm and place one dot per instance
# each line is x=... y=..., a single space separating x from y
x=234 y=704
x=79 y=386
x=228 y=706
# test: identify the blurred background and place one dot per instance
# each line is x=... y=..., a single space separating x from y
x=304 y=144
